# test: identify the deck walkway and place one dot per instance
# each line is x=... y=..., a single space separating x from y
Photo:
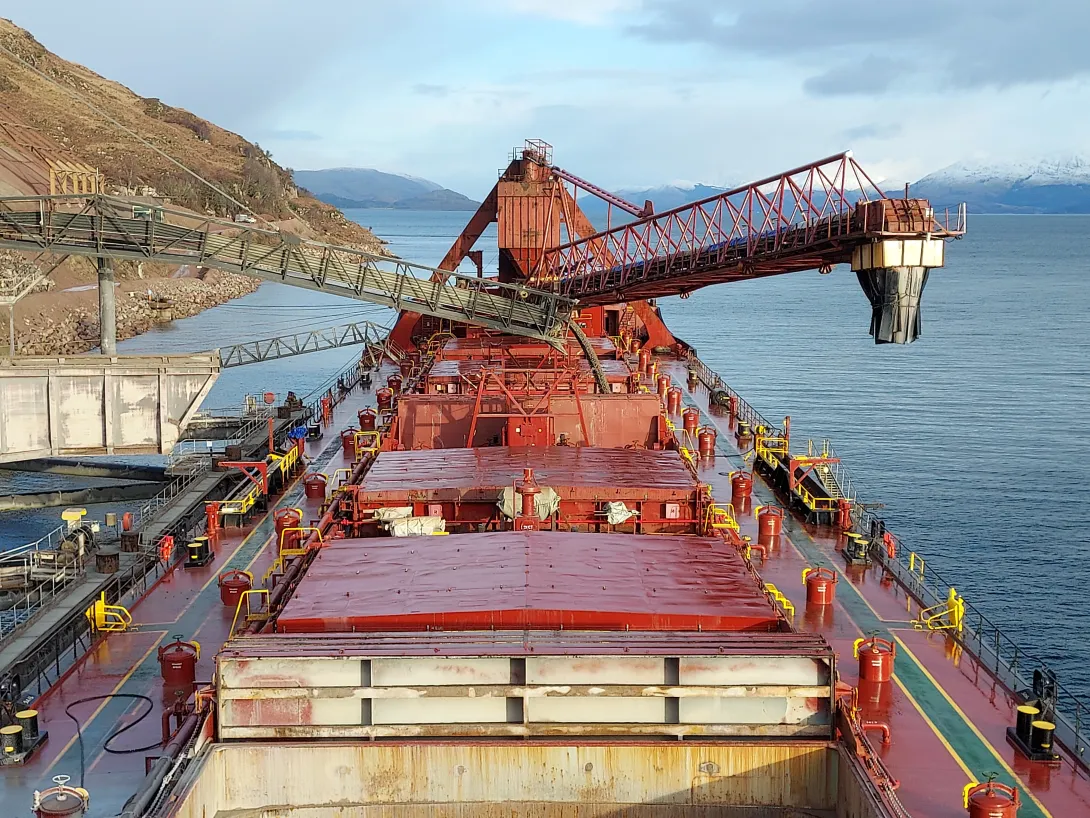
x=947 y=714
x=181 y=602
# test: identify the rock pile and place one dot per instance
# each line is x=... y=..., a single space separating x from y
x=77 y=330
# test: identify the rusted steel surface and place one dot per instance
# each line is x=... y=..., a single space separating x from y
x=352 y=696
x=518 y=579
x=475 y=730
x=522 y=643
x=533 y=691
x=612 y=421
x=465 y=372
x=658 y=475
x=510 y=347
x=490 y=779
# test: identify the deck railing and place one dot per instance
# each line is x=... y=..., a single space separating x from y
x=745 y=411
x=1012 y=666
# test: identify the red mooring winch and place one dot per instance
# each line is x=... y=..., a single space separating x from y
x=385 y=398
x=367 y=418
x=394 y=382
x=232 y=584
x=820 y=585
x=875 y=658
x=178 y=664
x=991 y=800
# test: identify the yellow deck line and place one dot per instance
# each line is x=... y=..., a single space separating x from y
x=98 y=709
x=137 y=626
x=938 y=734
x=971 y=725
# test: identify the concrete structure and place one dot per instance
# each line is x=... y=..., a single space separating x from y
x=95 y=405
x=107 y=309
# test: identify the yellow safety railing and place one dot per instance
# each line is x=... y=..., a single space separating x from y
x=107 y=618
x=369 y=441
x=946 y=616
x=772 y=450
x=295 y=552
x=814 y=503
x=436 y=341
x=243 y=505
x=283 y=463
x=721 y=516
x=915 y=564
x=785 y=604
x=346 y=472
x=253 y=614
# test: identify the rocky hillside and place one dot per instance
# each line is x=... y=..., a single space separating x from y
x=237 y=166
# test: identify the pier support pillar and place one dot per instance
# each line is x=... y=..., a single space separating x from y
x=107 y=309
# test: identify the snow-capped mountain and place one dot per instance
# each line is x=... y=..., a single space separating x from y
x=1053 y=185
x=1056 y=185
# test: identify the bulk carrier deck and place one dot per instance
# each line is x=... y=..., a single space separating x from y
x=524 y=577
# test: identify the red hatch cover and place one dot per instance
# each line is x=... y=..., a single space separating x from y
x=659 y=474
x=514 y=580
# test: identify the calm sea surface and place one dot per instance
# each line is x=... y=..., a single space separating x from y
x=975 y=437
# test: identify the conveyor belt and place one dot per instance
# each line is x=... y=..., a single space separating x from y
x=103 y=227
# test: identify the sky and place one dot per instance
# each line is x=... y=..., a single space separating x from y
x=631 y=93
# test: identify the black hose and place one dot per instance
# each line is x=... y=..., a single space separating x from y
x=115 y=733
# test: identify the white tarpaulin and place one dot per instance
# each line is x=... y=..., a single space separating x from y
x=416 y=526
x=545 y=504
x=388 y=513
x=617 y=513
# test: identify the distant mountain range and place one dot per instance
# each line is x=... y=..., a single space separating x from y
x=1049 y=186
x=366 y=188
x=665 y=197
x=1046 y=186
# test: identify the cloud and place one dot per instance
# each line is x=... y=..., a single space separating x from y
x=932 y=44
x=872 y=130
x=872 y=75
x=428 y=90
x=584 y=12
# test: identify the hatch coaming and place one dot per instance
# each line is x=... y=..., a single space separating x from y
x=525 y=684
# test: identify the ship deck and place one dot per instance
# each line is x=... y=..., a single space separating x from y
x=183 y=602
x=947 y=714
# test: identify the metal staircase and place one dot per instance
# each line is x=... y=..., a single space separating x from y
x=828 y=479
